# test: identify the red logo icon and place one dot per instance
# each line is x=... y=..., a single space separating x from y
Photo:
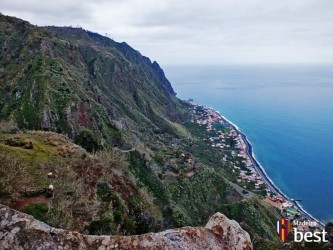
x=284 y=227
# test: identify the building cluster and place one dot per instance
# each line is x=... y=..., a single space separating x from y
x=210 y=119
x=286 y=207
x=251 y=176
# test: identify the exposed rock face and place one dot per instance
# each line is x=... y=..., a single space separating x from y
x=230 y=230
x=21 y=231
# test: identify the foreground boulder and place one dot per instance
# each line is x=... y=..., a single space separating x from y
x=22 y=231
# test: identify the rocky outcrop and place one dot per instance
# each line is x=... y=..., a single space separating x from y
x=22 y=231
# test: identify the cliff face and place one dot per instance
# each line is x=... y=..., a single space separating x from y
x=21 y=231
x=70 y=80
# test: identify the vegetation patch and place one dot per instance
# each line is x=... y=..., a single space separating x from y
x=37 y=210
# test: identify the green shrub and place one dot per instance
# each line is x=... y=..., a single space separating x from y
x=118 y=217
x=37 y=210
x=87 y=140
x=105 y=226
x=129 y=227
x=104 y=192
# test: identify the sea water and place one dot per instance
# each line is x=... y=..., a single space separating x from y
x=286 y=111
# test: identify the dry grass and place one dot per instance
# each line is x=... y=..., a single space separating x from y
x=8 y=127
x=71 y=203
x=67 y=150
x=143 y=149
x=112 y=159
x=14 y=178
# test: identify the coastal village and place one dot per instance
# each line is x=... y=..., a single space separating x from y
x=224 y=136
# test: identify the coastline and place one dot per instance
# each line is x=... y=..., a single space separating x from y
x=271 y=185
x=261 y=171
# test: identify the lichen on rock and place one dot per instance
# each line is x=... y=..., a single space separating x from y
x=22 y=231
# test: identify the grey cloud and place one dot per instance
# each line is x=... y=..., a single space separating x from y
x=58 y=12
x=199 y=31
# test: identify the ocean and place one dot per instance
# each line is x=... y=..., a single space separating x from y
x=286 y=111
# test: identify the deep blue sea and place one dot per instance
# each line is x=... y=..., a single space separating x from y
x=286 y=111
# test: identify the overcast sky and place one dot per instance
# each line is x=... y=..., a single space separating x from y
x=198 y=32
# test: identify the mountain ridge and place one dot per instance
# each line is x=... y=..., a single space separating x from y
x=57 y=86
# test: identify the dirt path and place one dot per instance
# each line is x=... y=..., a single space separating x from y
x=22 y=203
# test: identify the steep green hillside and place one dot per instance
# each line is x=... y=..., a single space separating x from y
x=82 y=84
x=141 y=165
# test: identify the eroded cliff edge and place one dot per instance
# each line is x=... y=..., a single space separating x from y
x=22 y=231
